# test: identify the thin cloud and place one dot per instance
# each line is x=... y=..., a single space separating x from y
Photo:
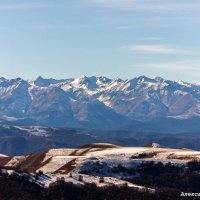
x=6 y=7
x=17 y=6
x=47 y=27
x=154 y=38
x=183 y=68
x=192 y=66
x=151 y=5
x=152 y=49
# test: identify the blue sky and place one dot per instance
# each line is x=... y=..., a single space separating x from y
x=113 y=38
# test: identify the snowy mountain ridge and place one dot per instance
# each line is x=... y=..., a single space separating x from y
x=93 y=102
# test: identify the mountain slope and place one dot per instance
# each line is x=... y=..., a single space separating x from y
x=97 y=102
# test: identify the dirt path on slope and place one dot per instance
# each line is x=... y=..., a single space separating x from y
x=68 y=167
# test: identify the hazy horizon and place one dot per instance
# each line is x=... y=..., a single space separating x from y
x=117 y=77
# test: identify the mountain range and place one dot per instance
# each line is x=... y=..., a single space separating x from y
x=101 y=103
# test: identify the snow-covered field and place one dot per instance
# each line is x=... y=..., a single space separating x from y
x=2 y=155
x=74 y=178
x=98 y=160
x=33 y=130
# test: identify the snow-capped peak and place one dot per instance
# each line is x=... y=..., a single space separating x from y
x=42 y=82
x=197 y=83
x=97 y=100
x=183 y=83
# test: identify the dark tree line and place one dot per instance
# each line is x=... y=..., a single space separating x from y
x=185 y=178
x=15 y=187
x=169 y=180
